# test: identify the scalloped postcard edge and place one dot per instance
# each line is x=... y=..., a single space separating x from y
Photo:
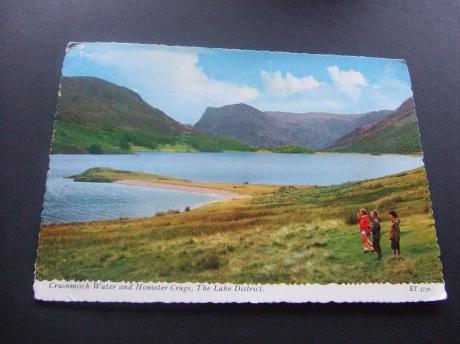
x=206 y=292
x=170 y=292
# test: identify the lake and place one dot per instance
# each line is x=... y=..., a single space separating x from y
x=68 y=201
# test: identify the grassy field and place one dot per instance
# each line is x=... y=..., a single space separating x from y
x=285 y=234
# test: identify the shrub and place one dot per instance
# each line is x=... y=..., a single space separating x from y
x=173 y=211
x=94 y=179
x=95 y=149
x=124 y=143
x=67 y=148
x=350 y=218
x=388 y=203
x=164 y=273
x=209 y=262
x=397 y=199
x=373 y=186
x=143 y=139
x=317 y=244
x=187 y=209
x=282 y=189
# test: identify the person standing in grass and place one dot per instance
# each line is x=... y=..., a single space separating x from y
x=364 y=229
x=395 y=232
x=376 y=233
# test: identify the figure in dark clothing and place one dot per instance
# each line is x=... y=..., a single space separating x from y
x=394 y=233
x=376 y=233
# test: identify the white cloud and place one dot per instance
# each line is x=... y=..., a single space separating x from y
x=298 y=105
x=279 y=85
x=171 y=80
x=348 y=82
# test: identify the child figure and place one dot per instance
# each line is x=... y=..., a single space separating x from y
x=364 y=229
x=376 y=233
x=394 y=233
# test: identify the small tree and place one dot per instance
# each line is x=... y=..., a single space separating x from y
x=95 y=149
x=124 y=143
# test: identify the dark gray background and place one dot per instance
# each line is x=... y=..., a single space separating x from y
x=33 y=36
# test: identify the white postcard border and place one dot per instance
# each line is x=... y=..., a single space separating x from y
x=145 y=292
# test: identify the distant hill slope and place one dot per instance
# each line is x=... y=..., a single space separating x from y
x=397 y=133
x=272 y=129
x=102 y=104
x=97 y=116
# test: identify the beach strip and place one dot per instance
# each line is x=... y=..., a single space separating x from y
x=168 y=186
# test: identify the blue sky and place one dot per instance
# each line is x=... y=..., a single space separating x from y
x=183 y=81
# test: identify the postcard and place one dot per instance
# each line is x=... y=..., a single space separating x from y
x=188 y=174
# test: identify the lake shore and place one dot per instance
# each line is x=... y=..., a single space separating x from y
x=181 y=187
x=143 y=179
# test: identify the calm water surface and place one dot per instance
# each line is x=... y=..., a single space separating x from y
x=67 y=201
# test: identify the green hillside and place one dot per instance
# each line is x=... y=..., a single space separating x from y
x=96 y=116
x=402 y=138
x=291 y=149
x=99 y=103
x=397 y=133
x=75 y=138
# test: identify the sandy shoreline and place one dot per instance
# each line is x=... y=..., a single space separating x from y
x=167 y=186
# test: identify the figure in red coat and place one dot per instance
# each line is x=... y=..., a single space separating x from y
x=364 y=229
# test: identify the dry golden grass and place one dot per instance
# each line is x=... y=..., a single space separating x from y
x=281 y=234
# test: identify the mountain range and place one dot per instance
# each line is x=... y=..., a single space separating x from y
x=96 y=116
x=271 y=129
